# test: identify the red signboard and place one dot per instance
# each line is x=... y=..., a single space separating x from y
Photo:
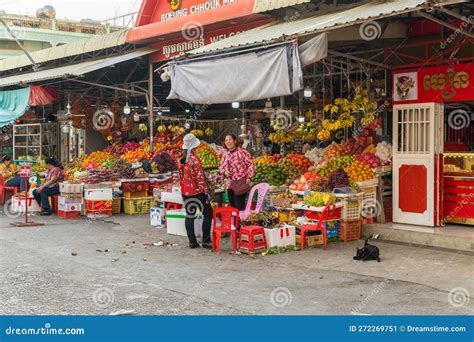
x=196 y=37
x=448 y=83
x=25 y=171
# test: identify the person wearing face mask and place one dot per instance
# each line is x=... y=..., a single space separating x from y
x=195 y=192
x=237 y=167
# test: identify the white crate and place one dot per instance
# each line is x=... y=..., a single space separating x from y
x=172 y=197
x=68 y=207
x=281 y=237
x=69 y=200
x=71 y=188
x=175 y=223
x=104 y=194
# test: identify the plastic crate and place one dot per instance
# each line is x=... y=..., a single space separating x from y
x=69 y=214
x=135 y=194
x=98 y=205
x=134 y=206
x=350 y=230
x=94 y=214
x=351 y=208
x=117 y=205
x=332 y=228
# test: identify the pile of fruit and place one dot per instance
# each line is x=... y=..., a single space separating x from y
x=95 y=159
x=335 y=151
x=164 y=162
x=208 y=157
x=315 y=154
x=370 y=159
x=305 y=182
x=300 y=161
x=292 y=170
x=123 y=169
x=337 y=179
x=265 y=160
x=359 y=171
x=98 y=176
x=319 y=199
x=273 y=175
x=384 y=151
x=339 y=163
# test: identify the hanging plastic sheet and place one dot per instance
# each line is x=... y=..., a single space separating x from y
x=13 y=104
x=42 y=95
x=260 y=74
x=314 y=49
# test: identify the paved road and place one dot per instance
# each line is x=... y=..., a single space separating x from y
x=40 y=275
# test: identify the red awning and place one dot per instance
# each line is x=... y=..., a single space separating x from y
x=42 y=95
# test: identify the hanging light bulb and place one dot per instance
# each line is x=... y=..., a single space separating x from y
x=187 y=125
x=127 y=110
x=301 y=118
x=235 y=105
x=307 y=92
x=68 y=106
x=136 y=117
x=65 y=129
x=187 y=110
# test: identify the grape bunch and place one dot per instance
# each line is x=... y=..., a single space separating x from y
x=164 y=162
x=337 y=179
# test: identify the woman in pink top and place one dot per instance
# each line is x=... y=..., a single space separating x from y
x=236 y=164
x=50 y=187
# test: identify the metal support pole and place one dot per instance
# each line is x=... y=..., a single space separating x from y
x=150 y=104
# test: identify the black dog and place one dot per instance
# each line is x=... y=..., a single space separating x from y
x=368 y=252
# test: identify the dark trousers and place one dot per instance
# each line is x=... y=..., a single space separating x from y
x=236 y=201
x=191 y=205
x=17 y=181
x=43 y=197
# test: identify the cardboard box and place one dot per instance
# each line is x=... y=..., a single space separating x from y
x=280 y=237
x=71 y=188
x=18 y=205
x=68 y=207
x=63 y=200
x=104 y=194
x=311 y=241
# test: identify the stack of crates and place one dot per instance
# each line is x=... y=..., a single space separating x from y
x=98 y=201
x=351 y=220
x=70 y=200
x=369 y=207
x=136 y=197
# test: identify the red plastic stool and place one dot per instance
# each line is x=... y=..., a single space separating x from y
x=252 y=239
x=229 y=218
x=55 y=204
x=4 y=189
x=316 y=227
x=173 y=206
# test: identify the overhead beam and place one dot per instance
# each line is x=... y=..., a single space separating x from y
x=129 y=91
x=454 y=14
x=445 y=24
x=358 y=59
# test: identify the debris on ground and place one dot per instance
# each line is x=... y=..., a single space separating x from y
x=115 y=259
x=145 y=259
x=73 y=253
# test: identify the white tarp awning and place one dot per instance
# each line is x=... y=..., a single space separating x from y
x=72 y=70
x=271 y=72
x=372 y=10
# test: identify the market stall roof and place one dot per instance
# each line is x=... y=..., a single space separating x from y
x=269 y=5
x=83 y=46
x=372 y=10
x=73 y=70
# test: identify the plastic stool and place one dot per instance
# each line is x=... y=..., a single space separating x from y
x=252 y=239
x=54 y=203
x=229 y=218
x=4 y=189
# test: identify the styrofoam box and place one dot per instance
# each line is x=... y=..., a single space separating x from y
x=158 y=217
x=104 y=194
x=71 y=188
x=18 y=205
x=68 y=207
x=70 y=200
x=281 y=237
x=175 y=223
x=172 y=197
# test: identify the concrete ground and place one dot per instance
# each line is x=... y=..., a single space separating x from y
x=84 y=267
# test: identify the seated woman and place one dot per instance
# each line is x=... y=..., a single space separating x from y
x=50 y=187
x=8 y=171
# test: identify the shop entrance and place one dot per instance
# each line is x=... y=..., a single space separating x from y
x=417 y=141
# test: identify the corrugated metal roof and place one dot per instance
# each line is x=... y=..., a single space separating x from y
x=372 y=10
x=268 y=5
x=72 y=70
x=83 y=46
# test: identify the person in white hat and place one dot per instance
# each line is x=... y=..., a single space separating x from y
x=195 y=192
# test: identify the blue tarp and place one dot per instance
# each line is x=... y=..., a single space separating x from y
x=13 y=104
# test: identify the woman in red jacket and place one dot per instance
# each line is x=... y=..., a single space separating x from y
x=195 y=192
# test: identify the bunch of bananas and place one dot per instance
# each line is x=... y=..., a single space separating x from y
x=346 y=120
x=281 y=137
x=161 y=128
x=307 y=131
x=197 y=133
x=324 y=135
x=331 y=125
x=176 y=129
x=142 y=127
x=209 y=132
x=368 y=118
